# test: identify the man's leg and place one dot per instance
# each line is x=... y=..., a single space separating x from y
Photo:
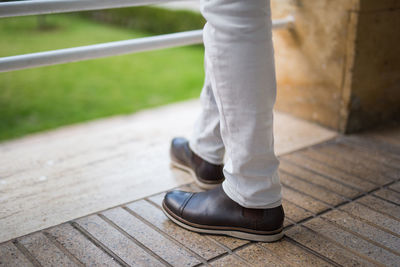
x=206 y=140
x=240 y=61
x=203 y=156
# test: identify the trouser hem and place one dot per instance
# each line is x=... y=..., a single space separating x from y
x=235 y=196
x=205 y=157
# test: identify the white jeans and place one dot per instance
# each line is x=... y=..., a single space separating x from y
x=237 y=100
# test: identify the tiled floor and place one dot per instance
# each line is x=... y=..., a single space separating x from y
x=53 y=177
x=341 y=197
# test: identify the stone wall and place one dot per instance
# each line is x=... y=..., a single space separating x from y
x=340 y=63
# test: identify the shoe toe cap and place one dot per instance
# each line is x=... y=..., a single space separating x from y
x=174 y=200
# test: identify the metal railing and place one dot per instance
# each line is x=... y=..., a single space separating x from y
x=23 y=8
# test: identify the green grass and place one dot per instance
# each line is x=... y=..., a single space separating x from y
x=43 y=98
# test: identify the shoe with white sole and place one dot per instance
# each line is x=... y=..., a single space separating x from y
x=213 y=212
x=205 y=174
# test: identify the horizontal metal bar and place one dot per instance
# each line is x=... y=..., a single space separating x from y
x=110 y=49
x=39 y=7
x=99 y=50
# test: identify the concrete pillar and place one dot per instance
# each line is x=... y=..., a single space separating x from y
x=340 y=64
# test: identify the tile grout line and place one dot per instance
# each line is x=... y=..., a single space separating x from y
x=360 y=236
x=332 y=154
x=167 y=236
x=233 y=254
x=98 y=244
x=298 y=206
x=284 y=260
x=324 y=175
x=387 y=200
x=370 y=223
x=390 y=166
x=330 y=206
x=393 y=190
x=134 y=240
x=310 y=250
x=26 y=253
x=316 y=185
x=332 y=168
x=301 y=223
x=243 y=247
x=387 y=148
x=291 y=225
x=339 y=168
x=354 y=147
x=342 y=246
x=53 y=240
x=337 y=207
x=384 y=200
x=378 y=211
x=230 y=252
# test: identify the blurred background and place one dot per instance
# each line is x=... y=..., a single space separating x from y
x=338 y=65
x=43 y=98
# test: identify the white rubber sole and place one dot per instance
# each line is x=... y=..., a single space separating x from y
x=191 y=172
x=237 y=234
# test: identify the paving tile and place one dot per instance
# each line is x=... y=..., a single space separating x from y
x=79 y=246
x=378 y=219
x=320 y=180
x=388 y=195
x=361 y=140
x=156 y=242
x=11 y=256
x=310 y=189
x=353 y=242
x=201 y=245
x=259 y=256
x=350 y=166
x=304 y=201
x=44 y=251
x=388 y=135
x=293 y=212
x=370 y=160
x=122 y=246
x=293 y=254
x=328 y=171
x=395 y=186
x=292 y=134
x=229 y=242
x=287 y=222
x=158 y=199
x=368 y=155
x=365 y=230
x=229 y=260
x=381 y=206
x=326 y=247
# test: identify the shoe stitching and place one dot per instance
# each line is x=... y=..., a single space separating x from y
x=185 y=203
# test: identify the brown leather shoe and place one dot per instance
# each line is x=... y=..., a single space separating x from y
x=213 y=212
x=205 y=174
